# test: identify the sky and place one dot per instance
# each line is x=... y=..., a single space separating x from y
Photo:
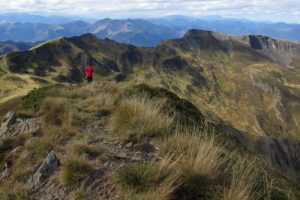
x=258 y=10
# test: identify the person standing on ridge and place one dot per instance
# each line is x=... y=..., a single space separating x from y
x=89 y=70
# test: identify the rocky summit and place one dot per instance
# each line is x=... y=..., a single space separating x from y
x=204 y=116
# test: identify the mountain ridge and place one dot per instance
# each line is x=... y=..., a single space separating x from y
x=225 y=86
x=63 y=60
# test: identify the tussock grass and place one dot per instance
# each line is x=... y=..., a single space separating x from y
x=21 y=174
x=74 y=170
x=80 y=148
x=201 y=161
x=204 y=160
x=164 y=191
x=77 y=119
x=37 y=149
x=141 y=117
x=98 y=102
x=146 y=177
x=138 y=177
x=244 y=184
x=55 y=110
x=60 y=135
x=199 y=151
x=209 y=171
x=77 y=195
x=14 y=191
x=8 y=144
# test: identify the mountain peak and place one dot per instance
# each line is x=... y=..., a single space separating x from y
x=197 y=33
x=88 y=36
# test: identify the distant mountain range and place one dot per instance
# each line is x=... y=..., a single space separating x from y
x=233 y=26
x=138 y=32
x=132 y=31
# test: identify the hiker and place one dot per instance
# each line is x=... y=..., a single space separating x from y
x=89 y=70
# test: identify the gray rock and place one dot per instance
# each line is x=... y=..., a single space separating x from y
x=48 y=168
x=9 y=120
x=96 y=175
x=14 y=126
x=129 y=145
x=87 y=156
x=5 y=173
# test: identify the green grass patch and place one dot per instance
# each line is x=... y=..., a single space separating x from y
x=34 y=98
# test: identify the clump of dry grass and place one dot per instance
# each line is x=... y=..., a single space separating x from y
x=55 y=110
x=21 y=174
x=14 y=190
x=210 y=171
x=140 y=116
x=77 y=195
x=59 y=135
x=8 y=144
x=243 y=183
x=199 y=152
x=36 y=149
x=74 y=170
x=80 y=148
x=200 y=162
x=97 y=102
x=146 y=177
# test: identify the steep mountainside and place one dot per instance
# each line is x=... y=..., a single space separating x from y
x=253 y=79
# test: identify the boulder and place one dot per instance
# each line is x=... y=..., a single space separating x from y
x=9 y=120
x=47 y=169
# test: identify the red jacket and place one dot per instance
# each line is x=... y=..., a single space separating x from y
x=89 y=70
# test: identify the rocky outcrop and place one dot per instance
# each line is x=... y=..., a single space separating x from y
x=9 y=120
x=48 y=168
x=14 y=126
x=279 y=51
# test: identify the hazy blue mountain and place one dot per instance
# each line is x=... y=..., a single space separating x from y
x=132 y=31
x=233 y=26
x=141 y=32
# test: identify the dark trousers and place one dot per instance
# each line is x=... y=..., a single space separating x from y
x=89 y=79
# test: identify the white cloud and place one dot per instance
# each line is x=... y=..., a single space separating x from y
x=276 y=10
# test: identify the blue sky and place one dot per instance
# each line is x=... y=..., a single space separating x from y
x=266 y=10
